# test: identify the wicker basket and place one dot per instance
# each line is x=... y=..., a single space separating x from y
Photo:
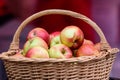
x=79 y=68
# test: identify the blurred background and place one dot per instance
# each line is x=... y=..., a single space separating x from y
x=106 y=13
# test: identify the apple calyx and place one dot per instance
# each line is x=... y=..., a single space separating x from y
x=63 y=51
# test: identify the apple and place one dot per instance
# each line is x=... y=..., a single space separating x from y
x=37 y=52
x=18 y=54
x=39 y=32
x=87 y=50
x=86 y=41
x=54 y=34
x=97 y=46
x=74 y=52
x=60 y=51
x=72 y=36
x=36 y=41
x=55 y=40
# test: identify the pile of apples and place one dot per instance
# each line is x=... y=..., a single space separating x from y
x=67 y=43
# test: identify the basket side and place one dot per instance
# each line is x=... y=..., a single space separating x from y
x=95 y=69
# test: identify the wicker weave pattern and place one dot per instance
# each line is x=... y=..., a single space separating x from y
x=84 y=68
x=92 y=70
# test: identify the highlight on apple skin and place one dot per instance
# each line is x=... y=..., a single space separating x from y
x=36 y=41
x=60 y=51
x=86 y=41
x=37 y=52
x=39 y=32
x=72 y=36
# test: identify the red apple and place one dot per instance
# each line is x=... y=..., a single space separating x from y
x=54 y=34
x=87 y=50
x=60 y=51
x=37 y=52
x=75 y=52
x=55 y=39
x=72 y=36
x=36 y=41
x=86 y=41
x=39 y=32
x=97 y=46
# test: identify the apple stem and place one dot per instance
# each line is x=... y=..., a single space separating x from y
x=34 y=33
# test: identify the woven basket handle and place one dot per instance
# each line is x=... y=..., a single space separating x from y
x=15 y=43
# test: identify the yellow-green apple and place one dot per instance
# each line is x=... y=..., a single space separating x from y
x=39 y=32
x=36 y=41
x=72 y=36
x=86 y=41
x=37 y=52
x=60 y=51
x=87 y=50
x=55 y=39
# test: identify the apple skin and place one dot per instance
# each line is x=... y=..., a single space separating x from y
x=54 y=34
x=72 y=36
x=60 y=51
x=18 y=54
x=55 y=40
x=97 y=46
x=39 y=32
x=86 y=41
x=36 y=41
x=87 y=50
x=37 y=52
x=74 y=52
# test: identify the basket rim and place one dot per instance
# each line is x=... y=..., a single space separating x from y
x=103 y=54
